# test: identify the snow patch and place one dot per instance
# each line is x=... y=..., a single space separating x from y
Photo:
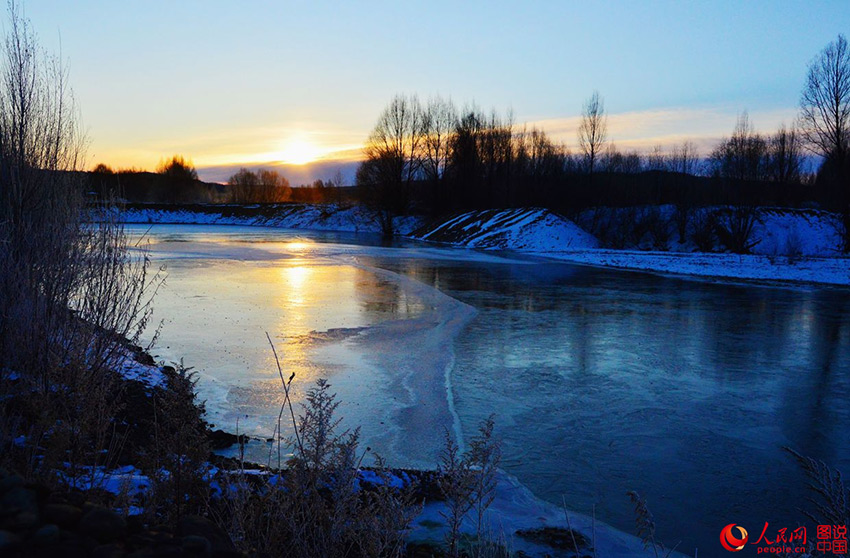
x=329 y=217
x=149 y=375
x=526 y=230
x=833 y=271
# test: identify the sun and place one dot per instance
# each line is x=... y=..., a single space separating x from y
x=297 y=151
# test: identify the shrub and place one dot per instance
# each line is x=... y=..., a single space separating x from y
x=734 y=228
x=830 y=496
x=178 y=450
x=317 y=504
x=645 y=527
x=71 y=291
x=703 y=225
x=468 y=483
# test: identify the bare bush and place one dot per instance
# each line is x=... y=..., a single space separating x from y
x=71 y=292
x=318 y=504
x=793 y=246
x=682 y=218
x=734 y=228
x=468 y=483
x=178 y=450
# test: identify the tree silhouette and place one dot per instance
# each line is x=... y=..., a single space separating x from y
x=593 y=130
x=825 y=120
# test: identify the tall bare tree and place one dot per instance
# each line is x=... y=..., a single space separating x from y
x=272 y=187
x=439 y=120
x=825 y=102
x=656 y=160
x=593 y=130
x=393 y=160
x=825 y=118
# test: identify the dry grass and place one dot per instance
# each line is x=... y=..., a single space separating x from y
x=317 y=503
x=830 y=494
x=468 y=484
x=645 y=526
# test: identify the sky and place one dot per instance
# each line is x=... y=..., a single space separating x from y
x=259 y=83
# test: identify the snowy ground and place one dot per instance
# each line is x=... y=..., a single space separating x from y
x=522 y=230
x=285 y=216
x=830 y=271
x=515 y=508
x=793 y=245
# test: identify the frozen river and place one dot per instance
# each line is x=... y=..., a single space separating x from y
x=601 y=381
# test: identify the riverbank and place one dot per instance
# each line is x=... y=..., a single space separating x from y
x=747 y=267
x=793 y=246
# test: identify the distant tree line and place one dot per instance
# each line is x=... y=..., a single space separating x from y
x=434 y=158
x=263 y=186
x=176 y=181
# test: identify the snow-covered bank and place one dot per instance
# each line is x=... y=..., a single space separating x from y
x=830 y=271
x=803 y=232
x=796 y=245
x=515 y=511
x=776 y=231
x=285 y=216
x=523 y=230
x=790 y=245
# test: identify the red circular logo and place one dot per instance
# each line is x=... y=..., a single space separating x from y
x=731 y=542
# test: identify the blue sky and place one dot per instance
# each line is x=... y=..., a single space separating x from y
x=232 y=82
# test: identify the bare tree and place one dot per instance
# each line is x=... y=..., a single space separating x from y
x=614 y=160
x=785 y=159
x=438 y=123
x=337 y=183
x=393 y=160
x=825 y=118
x=825 y=102
x=593 y=130
x=272 y=187
x=741 y=157
x=241 y=184
x=263 y=186
x=685 y=158
x=656 y=160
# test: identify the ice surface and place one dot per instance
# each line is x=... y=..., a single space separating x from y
x=383 y=340
x=601 y=380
